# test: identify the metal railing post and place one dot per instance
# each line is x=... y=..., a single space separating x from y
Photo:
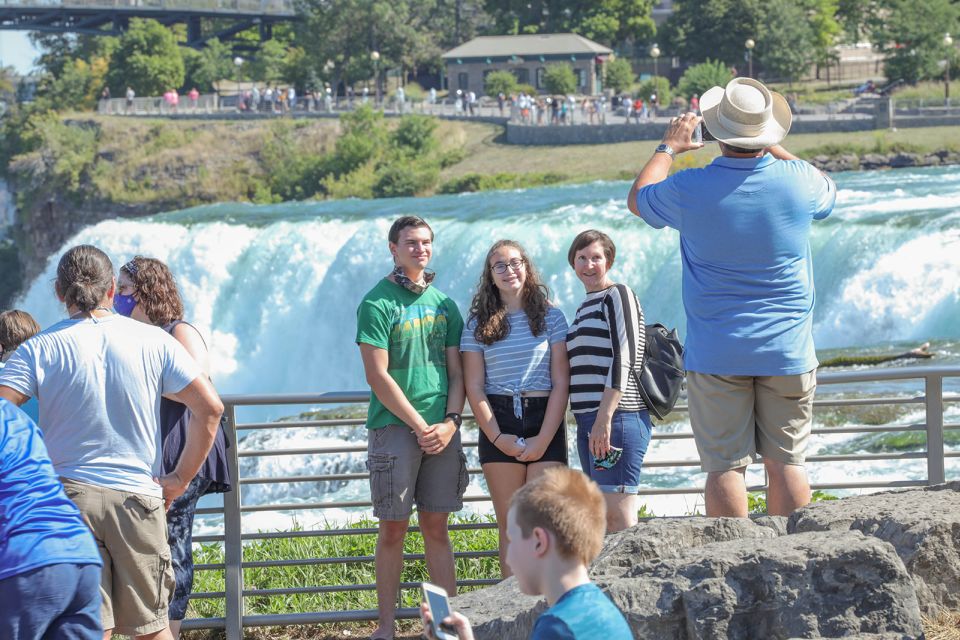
x=232 y=532
x=933 y=393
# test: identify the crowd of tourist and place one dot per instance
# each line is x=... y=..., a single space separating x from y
x=96 y=509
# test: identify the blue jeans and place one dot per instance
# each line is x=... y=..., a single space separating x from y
x=56 y=602
x=630 y=431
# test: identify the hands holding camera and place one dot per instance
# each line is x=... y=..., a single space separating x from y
x=680 y=133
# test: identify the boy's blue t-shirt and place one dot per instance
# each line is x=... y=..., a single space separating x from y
x=39 y=525
x=583 y=613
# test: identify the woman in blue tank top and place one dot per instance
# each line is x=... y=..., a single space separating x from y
x=147 y=291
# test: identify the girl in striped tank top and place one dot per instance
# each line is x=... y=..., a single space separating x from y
x=516 y=376
x=605 y=346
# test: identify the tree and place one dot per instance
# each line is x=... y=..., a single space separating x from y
x=498 y=82
x=267 y=65
x=560 y=79
x=209 y=65
x=606 y=21
x=147 y=59
x=787 y=47
x=706 y=75
x=911 y=36
x=715 y=29
x=619 y=75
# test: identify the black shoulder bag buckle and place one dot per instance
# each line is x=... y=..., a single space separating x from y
x=662 y=373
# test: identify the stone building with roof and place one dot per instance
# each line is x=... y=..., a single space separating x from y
x=527 y=57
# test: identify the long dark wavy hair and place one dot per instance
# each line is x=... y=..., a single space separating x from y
x=488 y=309
x=155 y=289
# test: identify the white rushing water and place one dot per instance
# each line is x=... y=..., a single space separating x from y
x=275 y=288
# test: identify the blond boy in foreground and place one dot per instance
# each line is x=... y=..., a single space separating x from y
x=555 y=529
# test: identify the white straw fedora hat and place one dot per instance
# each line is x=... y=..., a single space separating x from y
x=746 y=114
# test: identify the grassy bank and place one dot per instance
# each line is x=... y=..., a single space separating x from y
x=168 y=164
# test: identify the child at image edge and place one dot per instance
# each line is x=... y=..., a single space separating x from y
x=555 y=528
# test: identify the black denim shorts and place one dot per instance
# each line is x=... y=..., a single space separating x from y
x=526 y=427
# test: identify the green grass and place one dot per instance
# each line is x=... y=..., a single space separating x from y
x=361 y=572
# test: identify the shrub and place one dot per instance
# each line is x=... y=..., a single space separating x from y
x=703 y=76
x=414 y=92
x=560 y=79
x=528 y=89
x=500 y=82
x=414 y=135
x=658 y=85
x=619 y=75
x=404 y=179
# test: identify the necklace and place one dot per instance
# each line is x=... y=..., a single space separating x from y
x=413 y=287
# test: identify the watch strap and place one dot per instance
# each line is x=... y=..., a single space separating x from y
x=667 y=149
x=455 y=417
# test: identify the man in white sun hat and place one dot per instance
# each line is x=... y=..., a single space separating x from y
x=744 y=223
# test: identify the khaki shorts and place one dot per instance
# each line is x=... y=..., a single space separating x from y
x=736 y=417
x=401 y=474
x=131 y=533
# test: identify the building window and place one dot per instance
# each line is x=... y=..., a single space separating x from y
x=540 y=72
x=581 y=78
x=523 y=75
x=463 y=80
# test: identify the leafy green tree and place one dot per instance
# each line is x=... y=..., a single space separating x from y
x=715 y=29
x=267 y=65
x=209 y=65
x=606 y=21
x=414 y=135
x=787 y=48
x=500 y=82
x=855 y=17
x=700 y=77
x=147 y=59
x=559 y=78
x=619 y=75
x=911 y=36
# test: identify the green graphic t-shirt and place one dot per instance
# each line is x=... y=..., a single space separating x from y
x=415 y=330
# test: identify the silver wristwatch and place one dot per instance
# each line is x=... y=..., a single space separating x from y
x=667 y=149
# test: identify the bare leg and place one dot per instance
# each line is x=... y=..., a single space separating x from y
x=726 y=494
x=437 y=549
x=621 y=511
x=503 y=480
x=788 y=490
x=175 y=628
x=389 y=564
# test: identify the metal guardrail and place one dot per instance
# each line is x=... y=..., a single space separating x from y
x=931 y=397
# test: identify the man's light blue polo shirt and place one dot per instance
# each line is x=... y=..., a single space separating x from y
x=748 y=290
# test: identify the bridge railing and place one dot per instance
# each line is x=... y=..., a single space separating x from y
x=253 y=7
x=919 y=388
x=157 y=106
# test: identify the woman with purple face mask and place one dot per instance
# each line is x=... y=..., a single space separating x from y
x=147 y=291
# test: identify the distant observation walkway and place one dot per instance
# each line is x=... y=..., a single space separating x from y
x=111 y=17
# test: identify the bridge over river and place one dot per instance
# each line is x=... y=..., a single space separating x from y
x=111 y=17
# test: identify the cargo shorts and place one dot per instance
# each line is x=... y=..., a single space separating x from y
x=736 y=417
x=137 y=581
x=402 y=475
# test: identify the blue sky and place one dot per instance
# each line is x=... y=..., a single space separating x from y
x=17 y=51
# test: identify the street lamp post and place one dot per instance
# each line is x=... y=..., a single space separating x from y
x=655 y=53
x=948 y=43
x=238 y=62
x=749 y=44
x=375 y=56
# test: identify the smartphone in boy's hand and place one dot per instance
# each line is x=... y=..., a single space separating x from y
x=436 y=599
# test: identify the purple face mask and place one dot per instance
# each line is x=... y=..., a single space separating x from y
x=124 y=304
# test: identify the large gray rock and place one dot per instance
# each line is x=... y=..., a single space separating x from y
x=660 y=538
x=923 y=525
x=819 y=585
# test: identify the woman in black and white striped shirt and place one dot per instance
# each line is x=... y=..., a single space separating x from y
x=605 y=345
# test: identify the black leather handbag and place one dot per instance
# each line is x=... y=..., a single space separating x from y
x=662 y=373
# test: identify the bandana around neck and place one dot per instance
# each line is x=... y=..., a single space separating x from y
x=413 y=287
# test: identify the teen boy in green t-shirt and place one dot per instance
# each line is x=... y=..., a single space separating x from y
x=409 y=337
